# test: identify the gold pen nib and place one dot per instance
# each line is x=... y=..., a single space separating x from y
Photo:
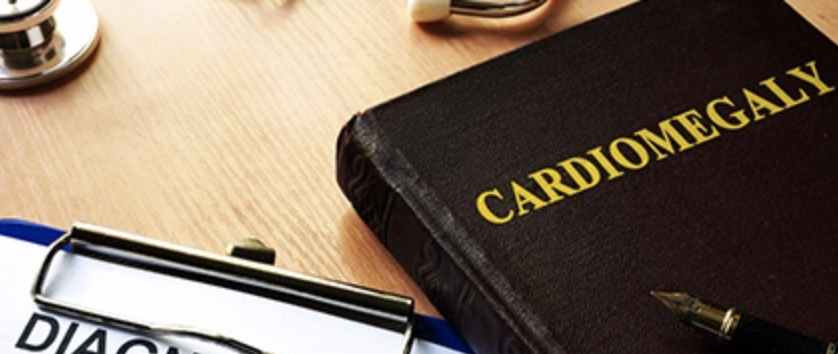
x=679 y=303
x=695 y=312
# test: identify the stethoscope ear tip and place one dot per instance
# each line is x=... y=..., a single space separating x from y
x=428 y=10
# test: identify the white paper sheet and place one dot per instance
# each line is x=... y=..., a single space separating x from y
x=270 y=325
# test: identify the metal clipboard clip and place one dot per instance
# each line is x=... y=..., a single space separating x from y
x=348 y=301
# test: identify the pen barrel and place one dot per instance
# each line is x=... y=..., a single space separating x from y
x=753 y=335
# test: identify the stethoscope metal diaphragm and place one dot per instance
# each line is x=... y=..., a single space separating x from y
x=44 y=40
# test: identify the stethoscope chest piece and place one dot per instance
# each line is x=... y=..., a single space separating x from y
x=44 y=40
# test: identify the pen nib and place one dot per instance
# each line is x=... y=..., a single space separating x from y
x=679 y=303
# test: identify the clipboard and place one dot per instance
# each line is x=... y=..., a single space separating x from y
x=371 y=307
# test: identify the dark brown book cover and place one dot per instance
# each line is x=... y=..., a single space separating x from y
x=538 y=198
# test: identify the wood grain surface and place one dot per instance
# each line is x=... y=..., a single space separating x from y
x=205 y=121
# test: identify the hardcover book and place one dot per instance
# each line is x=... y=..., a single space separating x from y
x=683 y=145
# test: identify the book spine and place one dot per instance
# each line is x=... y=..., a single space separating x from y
x=399 y=229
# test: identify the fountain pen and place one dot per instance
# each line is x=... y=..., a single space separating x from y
x=745 y=332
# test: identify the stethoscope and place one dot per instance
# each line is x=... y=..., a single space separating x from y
x=42 y=41
x=438 y=10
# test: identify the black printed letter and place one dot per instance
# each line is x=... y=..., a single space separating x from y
x=98 y=338
x=152 y=349
x=23 y=341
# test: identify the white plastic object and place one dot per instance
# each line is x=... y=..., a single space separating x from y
x=428 y=10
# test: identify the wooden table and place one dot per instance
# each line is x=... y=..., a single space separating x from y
x=205 y=121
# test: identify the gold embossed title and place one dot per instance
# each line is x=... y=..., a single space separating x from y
x=673 y=135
